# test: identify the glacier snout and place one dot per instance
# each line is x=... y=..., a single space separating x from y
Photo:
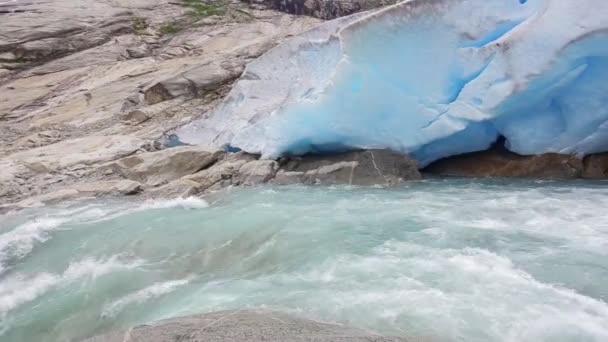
x=431 y=78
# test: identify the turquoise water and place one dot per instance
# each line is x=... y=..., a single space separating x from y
x=451 y=260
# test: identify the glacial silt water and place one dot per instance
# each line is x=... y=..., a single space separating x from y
x=448 y=260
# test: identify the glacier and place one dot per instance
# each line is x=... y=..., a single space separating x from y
x=428 y=78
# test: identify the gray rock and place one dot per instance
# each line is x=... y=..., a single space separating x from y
x=157 y=168
x=76 y=191
x=140 y=51
x=369 y=167
x=243 y=325
x=194 y=82
x=88 y=150
x=8 y=57
x=72 y=75
x=178 y=188
x=257 y=172
x=111 y=187
x=136 y=117
x=47 y=29
x=224 y=173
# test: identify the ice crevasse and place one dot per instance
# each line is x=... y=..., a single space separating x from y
x=430 y=78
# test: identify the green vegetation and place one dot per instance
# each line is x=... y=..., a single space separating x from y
x=197 y=9
x=169 y=28
x=204 y=8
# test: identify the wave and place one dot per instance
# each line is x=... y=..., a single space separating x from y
x=21 y=289
x=184 y=203
x=19 y=242
x=154 y=291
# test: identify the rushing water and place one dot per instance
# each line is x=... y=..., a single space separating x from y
x=452 y=260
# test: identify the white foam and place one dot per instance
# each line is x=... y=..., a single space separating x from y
x=154 y=291
x=20 y=241
x=20 y=289
x=184 y=203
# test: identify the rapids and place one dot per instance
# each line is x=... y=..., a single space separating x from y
x=451 y=260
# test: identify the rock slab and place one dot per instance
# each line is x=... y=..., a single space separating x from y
x=368 y=167
x=499 y=162
x=243 y=325
x=157 y=168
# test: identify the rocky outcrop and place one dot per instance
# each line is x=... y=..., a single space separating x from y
x=35 y=31
x=185 y=170
x=323 y=9
x=81 y=151
x=595 y=166
x=243 y=325
x=370 y=167
x=157 y=168
x=80 y=91
x=499 y=162
x=194 y=82
x=373 y=167
x=87 y=189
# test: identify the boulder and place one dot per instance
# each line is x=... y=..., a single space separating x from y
x=224 y=173
x=157 y=168
x=256 y=172
x=243 y=325
x=368 y=167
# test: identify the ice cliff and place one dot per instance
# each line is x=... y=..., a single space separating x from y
x=430 y=78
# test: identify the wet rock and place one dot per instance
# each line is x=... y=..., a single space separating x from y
x=243 y=325
x=596 y=166
x=499 y=162
x=369 y=167
x=157 y=168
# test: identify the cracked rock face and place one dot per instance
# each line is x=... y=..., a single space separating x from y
x=74 y=82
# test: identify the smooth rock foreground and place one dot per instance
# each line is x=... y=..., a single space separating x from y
x=243 y=326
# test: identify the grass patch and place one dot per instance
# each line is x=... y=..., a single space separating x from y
x=204 y=8
x=169 y=28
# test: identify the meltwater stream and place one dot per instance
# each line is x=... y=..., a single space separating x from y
x=448 y=260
